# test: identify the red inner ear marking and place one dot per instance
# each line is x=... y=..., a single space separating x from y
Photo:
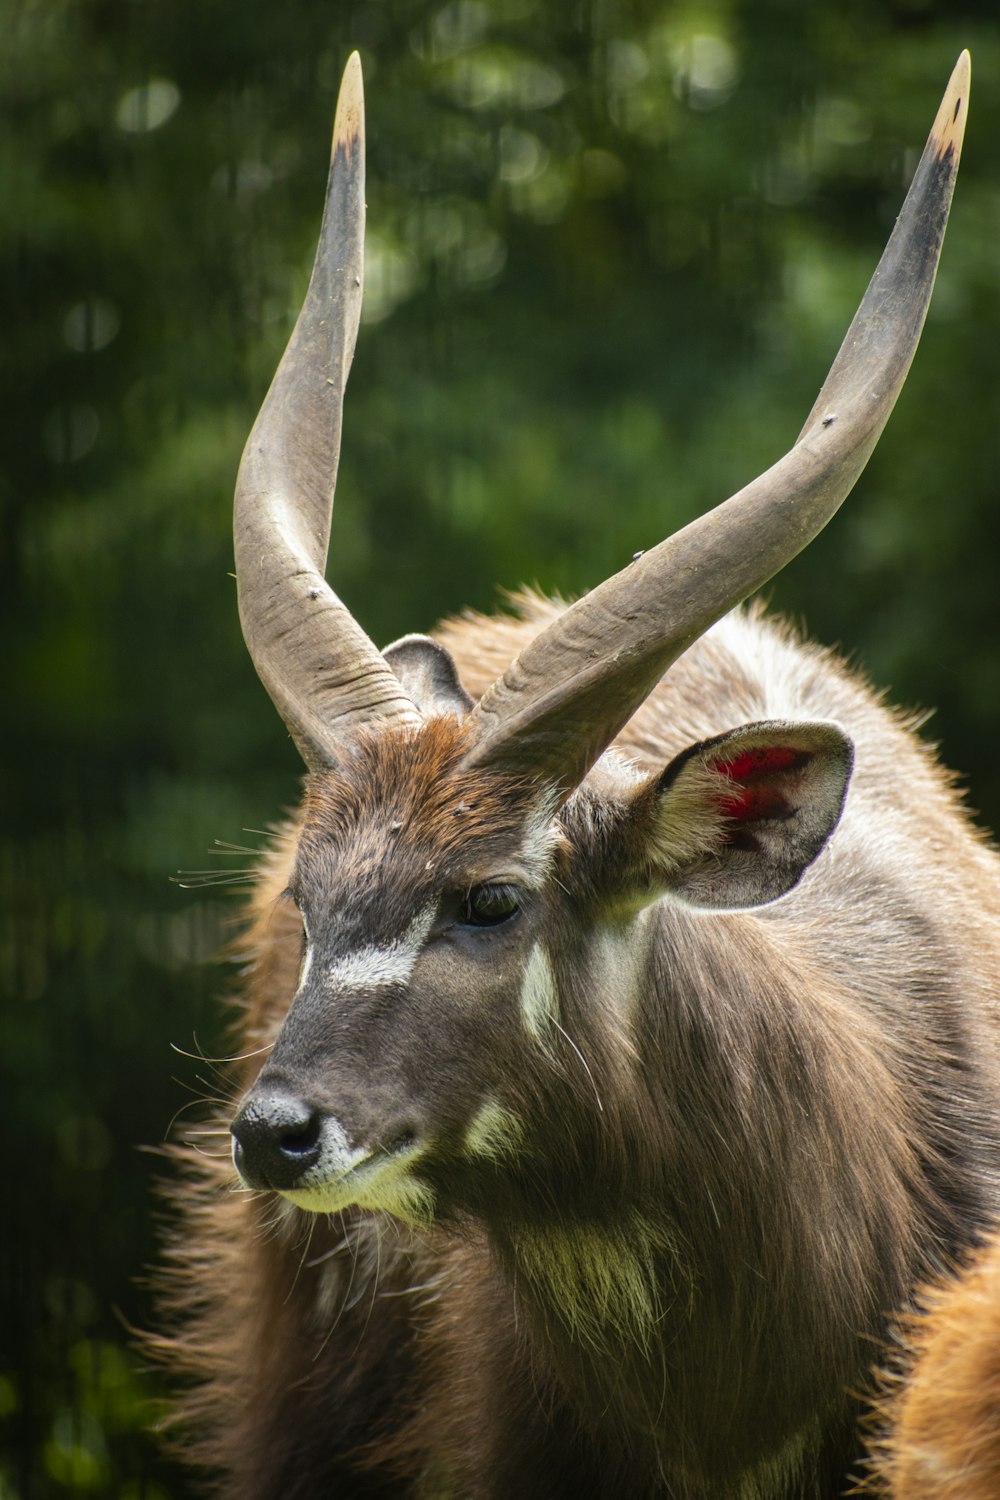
x=752 y=803
x=750 y=764
x=758 y=796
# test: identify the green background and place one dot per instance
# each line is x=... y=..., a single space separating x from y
x=613 y=247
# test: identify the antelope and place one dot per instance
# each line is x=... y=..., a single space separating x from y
x=940 y=1437
x=625 y=987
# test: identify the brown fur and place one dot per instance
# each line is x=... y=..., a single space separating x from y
x=941 y=1417
x=725 y=1186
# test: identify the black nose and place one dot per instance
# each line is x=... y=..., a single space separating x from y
x=276 y=1138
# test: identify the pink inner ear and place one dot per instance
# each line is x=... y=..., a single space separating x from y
x=761 y=793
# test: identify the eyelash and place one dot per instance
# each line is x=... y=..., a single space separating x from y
x=490 y=904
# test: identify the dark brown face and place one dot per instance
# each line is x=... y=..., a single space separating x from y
x=424 y=891
x=450 y=919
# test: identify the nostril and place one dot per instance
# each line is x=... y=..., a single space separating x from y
x=302 y=1140
x=276 y=1138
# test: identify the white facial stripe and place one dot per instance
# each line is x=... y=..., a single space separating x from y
x=539 y=996
x=306 y=966
x=368 y=967
x=493 y=1132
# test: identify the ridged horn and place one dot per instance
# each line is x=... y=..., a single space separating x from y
x=323 y=673
x=572 y=688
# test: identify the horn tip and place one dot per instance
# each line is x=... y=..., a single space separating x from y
x=948 y=129
x=348 y=128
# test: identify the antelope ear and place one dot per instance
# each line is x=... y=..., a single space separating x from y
x=738 y=818
x=428 y=676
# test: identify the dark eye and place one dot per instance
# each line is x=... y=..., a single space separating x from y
x=489 y=905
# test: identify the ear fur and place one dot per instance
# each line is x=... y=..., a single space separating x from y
x=735 y=820
x=428 y=676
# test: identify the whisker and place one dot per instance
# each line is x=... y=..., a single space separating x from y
x=374 y=1280
x=337 y=1249
x=223 y=846
x=433 y=1285
x=237 y=1057
x=215 y=1098
x=209 y=1155
x=218 y=1101
x=188 y=1104
x=197 y=879
x=583 y=1061
x=354 y=1249
x=302 y=1258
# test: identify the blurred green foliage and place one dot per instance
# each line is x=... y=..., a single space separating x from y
x=613 y=246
